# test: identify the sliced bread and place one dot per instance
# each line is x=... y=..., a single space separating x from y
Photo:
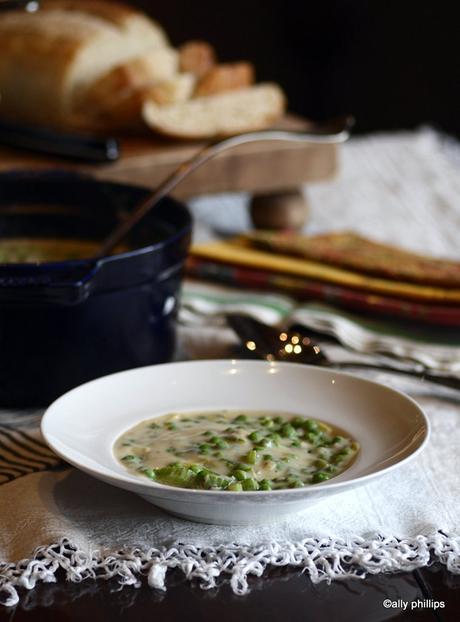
x=221 y=115
x=196 y=57
x=225 y=77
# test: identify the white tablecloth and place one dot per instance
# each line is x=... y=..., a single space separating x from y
x=401 y=188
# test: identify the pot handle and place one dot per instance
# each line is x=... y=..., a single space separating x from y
x=65 y=284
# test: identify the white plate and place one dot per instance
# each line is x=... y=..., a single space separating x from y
x=83 y=425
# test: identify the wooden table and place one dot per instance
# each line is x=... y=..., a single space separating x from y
x=270 y=171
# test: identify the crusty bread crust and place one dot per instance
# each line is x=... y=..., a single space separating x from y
x=179 y=88
x=225 y=77
x=196 y=57
x=218 y=116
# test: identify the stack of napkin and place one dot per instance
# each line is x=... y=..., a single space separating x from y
x=344 y=269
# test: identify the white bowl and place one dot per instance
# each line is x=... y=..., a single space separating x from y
x=83 y=425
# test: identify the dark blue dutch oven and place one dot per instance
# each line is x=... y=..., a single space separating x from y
x=64 y=323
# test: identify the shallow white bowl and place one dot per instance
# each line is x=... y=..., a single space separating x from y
x=83 y=425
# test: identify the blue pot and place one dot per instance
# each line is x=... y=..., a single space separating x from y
x=64 y=323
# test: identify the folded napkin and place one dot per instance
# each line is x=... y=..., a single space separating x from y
x=205 y=304
x=236 y=252
x=206 y=263
x=354 y=252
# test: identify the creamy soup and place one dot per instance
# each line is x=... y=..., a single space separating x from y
x=235 y=451
x=39 y=250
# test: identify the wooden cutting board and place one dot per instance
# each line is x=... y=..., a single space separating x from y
x=257 y=168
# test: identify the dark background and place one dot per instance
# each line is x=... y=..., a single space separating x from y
x=394 y=64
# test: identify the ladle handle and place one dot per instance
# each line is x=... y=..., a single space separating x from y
x=205 y=154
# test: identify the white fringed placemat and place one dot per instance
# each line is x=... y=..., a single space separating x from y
x=91 y=530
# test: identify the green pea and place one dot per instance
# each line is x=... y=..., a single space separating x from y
x=243 y=466
x=220 y=443
x=295 y=483
x=131 y=459
x=240 y=419
x=240 y=474
x=264 y=443
x=288 y=431
x=320 y=476
x=321 y=463
x=204 y=448
x=267 y=458
x=254 y=436
x=310 y=425
x=265 y=484
x=296 y=443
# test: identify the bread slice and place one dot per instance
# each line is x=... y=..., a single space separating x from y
x=179 y=88
x=225 y=77
x=221 y=115
x=49 y=58
x=196 y=57
x=124 y=110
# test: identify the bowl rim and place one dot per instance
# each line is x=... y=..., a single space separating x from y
x=293 y=492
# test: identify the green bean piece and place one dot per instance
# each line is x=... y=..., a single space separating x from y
x=243 y=466
x=235 y=487
x=150 y=473
x=250 y=484
x=252 y=456
x=196 y=468
x=295 y=483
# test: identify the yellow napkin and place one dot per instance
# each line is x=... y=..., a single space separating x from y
x=234 y=252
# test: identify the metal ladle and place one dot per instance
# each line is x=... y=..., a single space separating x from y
x=329 y=132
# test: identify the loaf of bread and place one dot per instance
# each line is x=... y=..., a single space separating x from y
x=216 y=116
x=49 y=58
x=100 y=65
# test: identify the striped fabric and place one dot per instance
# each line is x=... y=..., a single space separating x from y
x=22 y=451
